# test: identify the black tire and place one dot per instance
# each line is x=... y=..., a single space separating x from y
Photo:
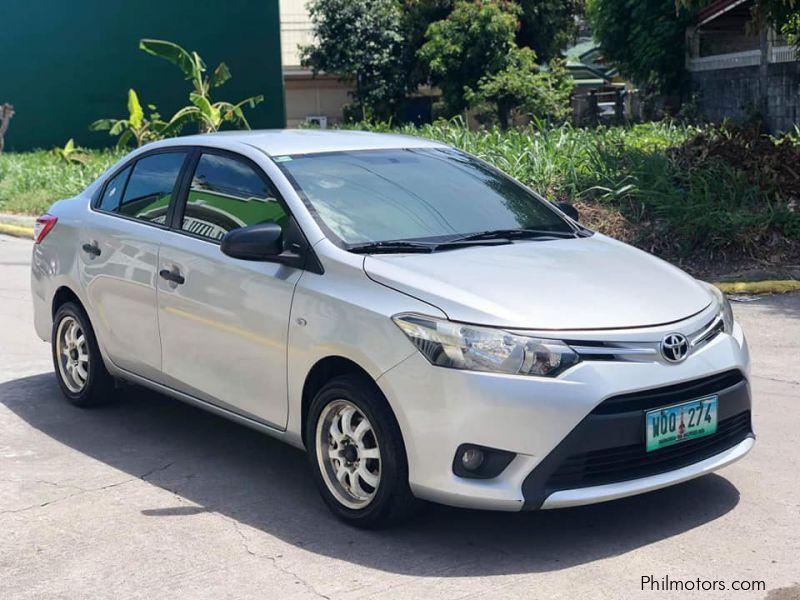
x=393 y=500
x=99 y=384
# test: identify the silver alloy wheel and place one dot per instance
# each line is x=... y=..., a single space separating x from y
x=72 y=352
x=348 y=454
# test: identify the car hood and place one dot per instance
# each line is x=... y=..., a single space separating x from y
x=583 y=283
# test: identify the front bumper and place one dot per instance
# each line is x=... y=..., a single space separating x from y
x=547 y=422
x=613 y=491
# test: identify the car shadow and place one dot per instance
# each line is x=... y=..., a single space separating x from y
x=218 y=466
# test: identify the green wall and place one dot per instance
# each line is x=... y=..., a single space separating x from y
x=65 y=63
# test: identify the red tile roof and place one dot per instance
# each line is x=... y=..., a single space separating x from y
x=717 y=8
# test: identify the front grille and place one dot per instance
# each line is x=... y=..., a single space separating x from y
x=664 y=396
x=611 y=465
x=640 y=351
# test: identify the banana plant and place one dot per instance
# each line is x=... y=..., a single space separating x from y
x=71 y=154
x=209 y=115
x=136 y=127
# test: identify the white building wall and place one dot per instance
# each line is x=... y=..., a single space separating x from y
x=306 y=96
x=295 y=31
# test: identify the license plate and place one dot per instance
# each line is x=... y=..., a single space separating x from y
x=680 y=422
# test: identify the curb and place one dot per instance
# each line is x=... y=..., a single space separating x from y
x=16 y=230
x=768 y=286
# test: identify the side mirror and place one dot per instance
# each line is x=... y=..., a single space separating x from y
x=256 y=242
x=568 y=210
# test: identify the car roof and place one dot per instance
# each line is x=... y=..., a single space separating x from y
x=310 y=141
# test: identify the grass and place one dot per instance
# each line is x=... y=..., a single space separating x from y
x=653 y=184
x=31 y=181
x=635 y=184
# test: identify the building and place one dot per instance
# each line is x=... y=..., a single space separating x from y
x=319 y=99
x=738 y=72
x=65 y=64
x=586 y=65
x=600 y=93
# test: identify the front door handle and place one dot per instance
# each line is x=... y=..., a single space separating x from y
x=91 y=249
x=172 y=276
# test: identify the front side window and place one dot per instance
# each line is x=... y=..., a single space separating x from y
x=149 y=188
x=227 y=193
x=414 y=194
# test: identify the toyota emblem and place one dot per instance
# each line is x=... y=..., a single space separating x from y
x=674 y=347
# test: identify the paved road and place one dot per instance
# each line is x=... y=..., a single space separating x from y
x=150 y=498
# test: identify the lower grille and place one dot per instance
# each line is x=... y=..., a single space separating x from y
x=672 y=394
x=611 y=465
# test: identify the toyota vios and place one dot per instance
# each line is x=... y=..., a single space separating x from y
x=423 y=325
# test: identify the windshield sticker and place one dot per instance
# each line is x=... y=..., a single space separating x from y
x=280 y=159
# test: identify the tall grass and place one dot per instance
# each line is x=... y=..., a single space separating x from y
x=565 y=161
x=672 y=211
x=31 y=181
x=628 y=178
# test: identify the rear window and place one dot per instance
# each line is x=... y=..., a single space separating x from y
x=145 y=190
x=114 y=190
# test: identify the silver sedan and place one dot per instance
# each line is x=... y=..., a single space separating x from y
x=424 y=325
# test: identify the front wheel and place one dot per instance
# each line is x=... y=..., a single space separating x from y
x=357 y=454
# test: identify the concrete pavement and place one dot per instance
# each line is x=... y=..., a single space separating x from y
x=151 y=498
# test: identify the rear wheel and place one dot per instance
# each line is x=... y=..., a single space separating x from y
x=79 y=368
x=357 y=454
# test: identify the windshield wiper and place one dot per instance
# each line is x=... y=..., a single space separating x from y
x=400 y=246
x=515 y=234
x=390 y=247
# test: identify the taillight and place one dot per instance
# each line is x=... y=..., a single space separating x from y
x=43 y=226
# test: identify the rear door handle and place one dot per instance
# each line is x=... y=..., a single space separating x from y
x=172 y=276
x=91 y=249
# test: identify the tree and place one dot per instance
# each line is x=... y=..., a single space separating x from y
x=207 y=114
x=791 y=30
x=644 y=38
x=548 y=26
x=473 y=41
x=418 y=15
x=361 y=40
x=783 y=16
x=6 y=112
x=524 y=87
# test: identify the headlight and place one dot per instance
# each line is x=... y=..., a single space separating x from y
x=725 y=308
x=459 y=346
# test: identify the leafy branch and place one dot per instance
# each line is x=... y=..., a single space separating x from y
x=209 y=115
x=136 y=127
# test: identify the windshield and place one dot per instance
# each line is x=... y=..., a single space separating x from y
x=413 y=194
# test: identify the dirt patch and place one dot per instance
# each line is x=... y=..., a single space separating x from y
x=607 y=220
x=777 y=257
x=764 y=160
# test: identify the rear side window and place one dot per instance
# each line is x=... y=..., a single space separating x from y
x=149 y=189
x=114 y=190
x=227 y=193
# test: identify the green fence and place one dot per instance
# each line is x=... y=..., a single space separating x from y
x=65 y=63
